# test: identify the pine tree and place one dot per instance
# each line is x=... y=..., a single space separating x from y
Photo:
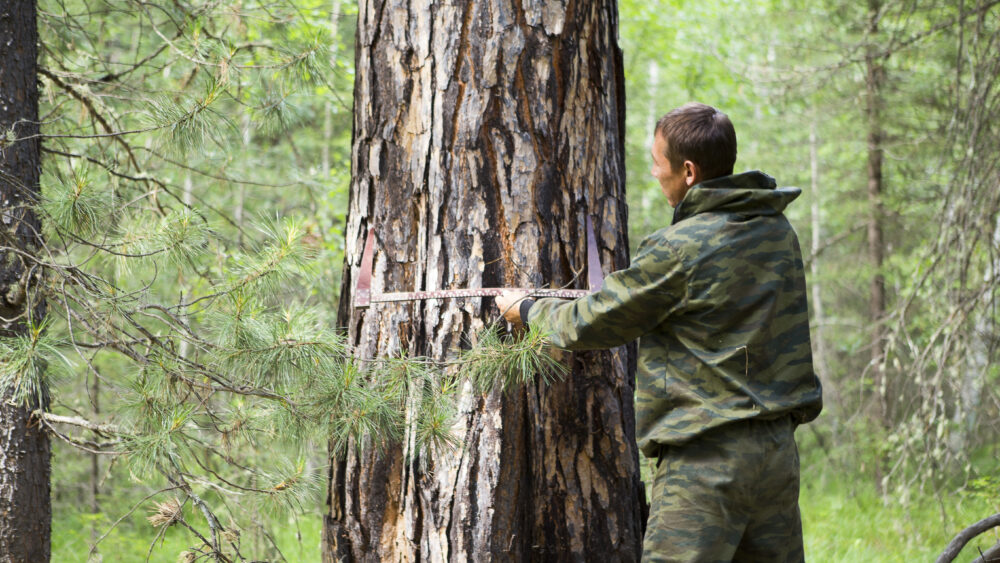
x=25 y=510
x=485 y=134
x=215 y=356
x=203 y=316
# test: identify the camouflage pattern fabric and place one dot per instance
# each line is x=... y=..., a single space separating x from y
x=718 y=302
x=730 y=495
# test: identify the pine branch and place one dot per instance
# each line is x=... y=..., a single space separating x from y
x=100 y=429
x=505 y=361
x=91 y=107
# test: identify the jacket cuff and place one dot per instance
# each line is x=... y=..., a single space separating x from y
x=523 y=310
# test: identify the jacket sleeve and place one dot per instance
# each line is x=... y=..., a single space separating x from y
x=631 y=302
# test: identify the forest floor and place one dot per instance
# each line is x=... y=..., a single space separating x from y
x=844 y=520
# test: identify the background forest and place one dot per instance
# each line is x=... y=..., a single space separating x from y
x=195 y=174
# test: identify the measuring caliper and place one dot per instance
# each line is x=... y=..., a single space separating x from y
x=364 y=297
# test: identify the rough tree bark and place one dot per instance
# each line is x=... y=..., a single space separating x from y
x=25 y=511
x=484 y=133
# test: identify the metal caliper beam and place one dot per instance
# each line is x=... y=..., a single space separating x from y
x=363 y=296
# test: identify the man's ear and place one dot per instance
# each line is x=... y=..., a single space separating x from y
x=692 y=173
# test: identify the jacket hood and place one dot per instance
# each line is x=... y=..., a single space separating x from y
x=751 y=193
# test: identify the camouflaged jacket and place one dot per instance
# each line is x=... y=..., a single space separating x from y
x=718 y=303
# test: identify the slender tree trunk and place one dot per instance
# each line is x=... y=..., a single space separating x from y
x=241 y=191
x=653 y=112
x=95 y=465
x=484 y=134
x=25 y=511
x=821 y=353
x=819 y=315
x=328 y=107
x=874 y=78
x=978 y=358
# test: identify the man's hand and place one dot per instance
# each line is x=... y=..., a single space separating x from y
x=509 y=303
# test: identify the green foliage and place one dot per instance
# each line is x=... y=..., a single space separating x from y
x=75 y=529
x=793 y=80
x=180 y=235
x=83 y=204
x=193 y=198
x=280 y=255
x=31 y=362
x=436 y=416
x=306 y=58
x=846 y=519
x=366 y=409
x=290 y=488
x=184 y=226
x=504 y=361
x=192 y=122
x=276 y=349
x=176 y=237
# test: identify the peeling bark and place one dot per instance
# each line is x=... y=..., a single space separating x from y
x=25 y=510
x=484 y=134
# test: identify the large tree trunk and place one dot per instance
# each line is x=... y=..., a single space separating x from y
x=25 y=510
x=484 y=134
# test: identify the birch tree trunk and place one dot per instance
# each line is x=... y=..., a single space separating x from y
x=25 y=510
x=484 y=134
x=819 y=317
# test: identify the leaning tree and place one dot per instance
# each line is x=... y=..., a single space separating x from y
x=485 y=133
x=25 y=513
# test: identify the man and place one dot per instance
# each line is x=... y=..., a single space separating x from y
x=718 y=302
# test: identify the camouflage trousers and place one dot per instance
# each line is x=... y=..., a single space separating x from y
x=729 y=495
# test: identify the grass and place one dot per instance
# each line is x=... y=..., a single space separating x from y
x=130 y=541
x=844 y=520
x=844 y=526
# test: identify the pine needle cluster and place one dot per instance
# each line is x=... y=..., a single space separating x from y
x=190 y=122
x=28 y=363
x=503 y=361
x=81 y=204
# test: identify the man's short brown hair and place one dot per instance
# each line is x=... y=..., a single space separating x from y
x=701 y=134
